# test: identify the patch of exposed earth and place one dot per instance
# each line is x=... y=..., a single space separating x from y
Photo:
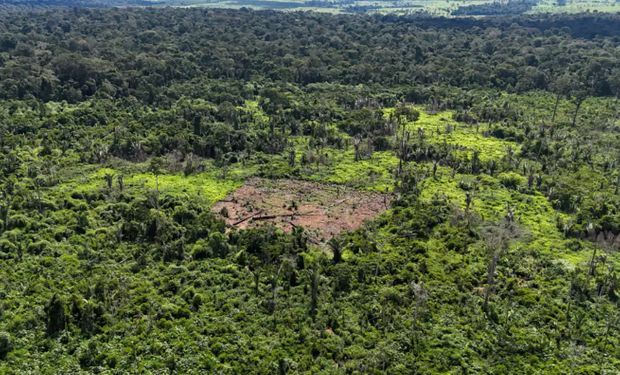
x=322 y=210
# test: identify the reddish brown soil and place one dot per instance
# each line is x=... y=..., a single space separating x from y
x=322 y=210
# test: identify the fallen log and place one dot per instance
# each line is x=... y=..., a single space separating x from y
x=268 y=217
x=247 y=218
x=297 y=214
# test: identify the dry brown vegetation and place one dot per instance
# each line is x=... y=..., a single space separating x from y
x=322 y=210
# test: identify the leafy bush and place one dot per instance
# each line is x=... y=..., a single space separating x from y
x=511 y=180
x=39 y=247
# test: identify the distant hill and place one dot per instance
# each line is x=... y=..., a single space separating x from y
x=77 y=3
x=458 y=8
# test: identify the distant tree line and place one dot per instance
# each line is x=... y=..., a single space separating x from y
x=496 y=8
x=77 y=54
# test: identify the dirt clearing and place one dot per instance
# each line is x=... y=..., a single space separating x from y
x=322 y=210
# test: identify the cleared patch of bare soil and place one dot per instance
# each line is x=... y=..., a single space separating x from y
x=322 y=210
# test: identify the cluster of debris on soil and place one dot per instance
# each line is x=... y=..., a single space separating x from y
x=322 y=210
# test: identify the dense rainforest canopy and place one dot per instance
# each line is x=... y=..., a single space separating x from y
x=72 y=55
x=496 y=143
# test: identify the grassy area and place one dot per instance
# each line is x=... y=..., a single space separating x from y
x=210 y=185
x=375 y=173
x=576 y=6
x=433 y=7
x=440 y=129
